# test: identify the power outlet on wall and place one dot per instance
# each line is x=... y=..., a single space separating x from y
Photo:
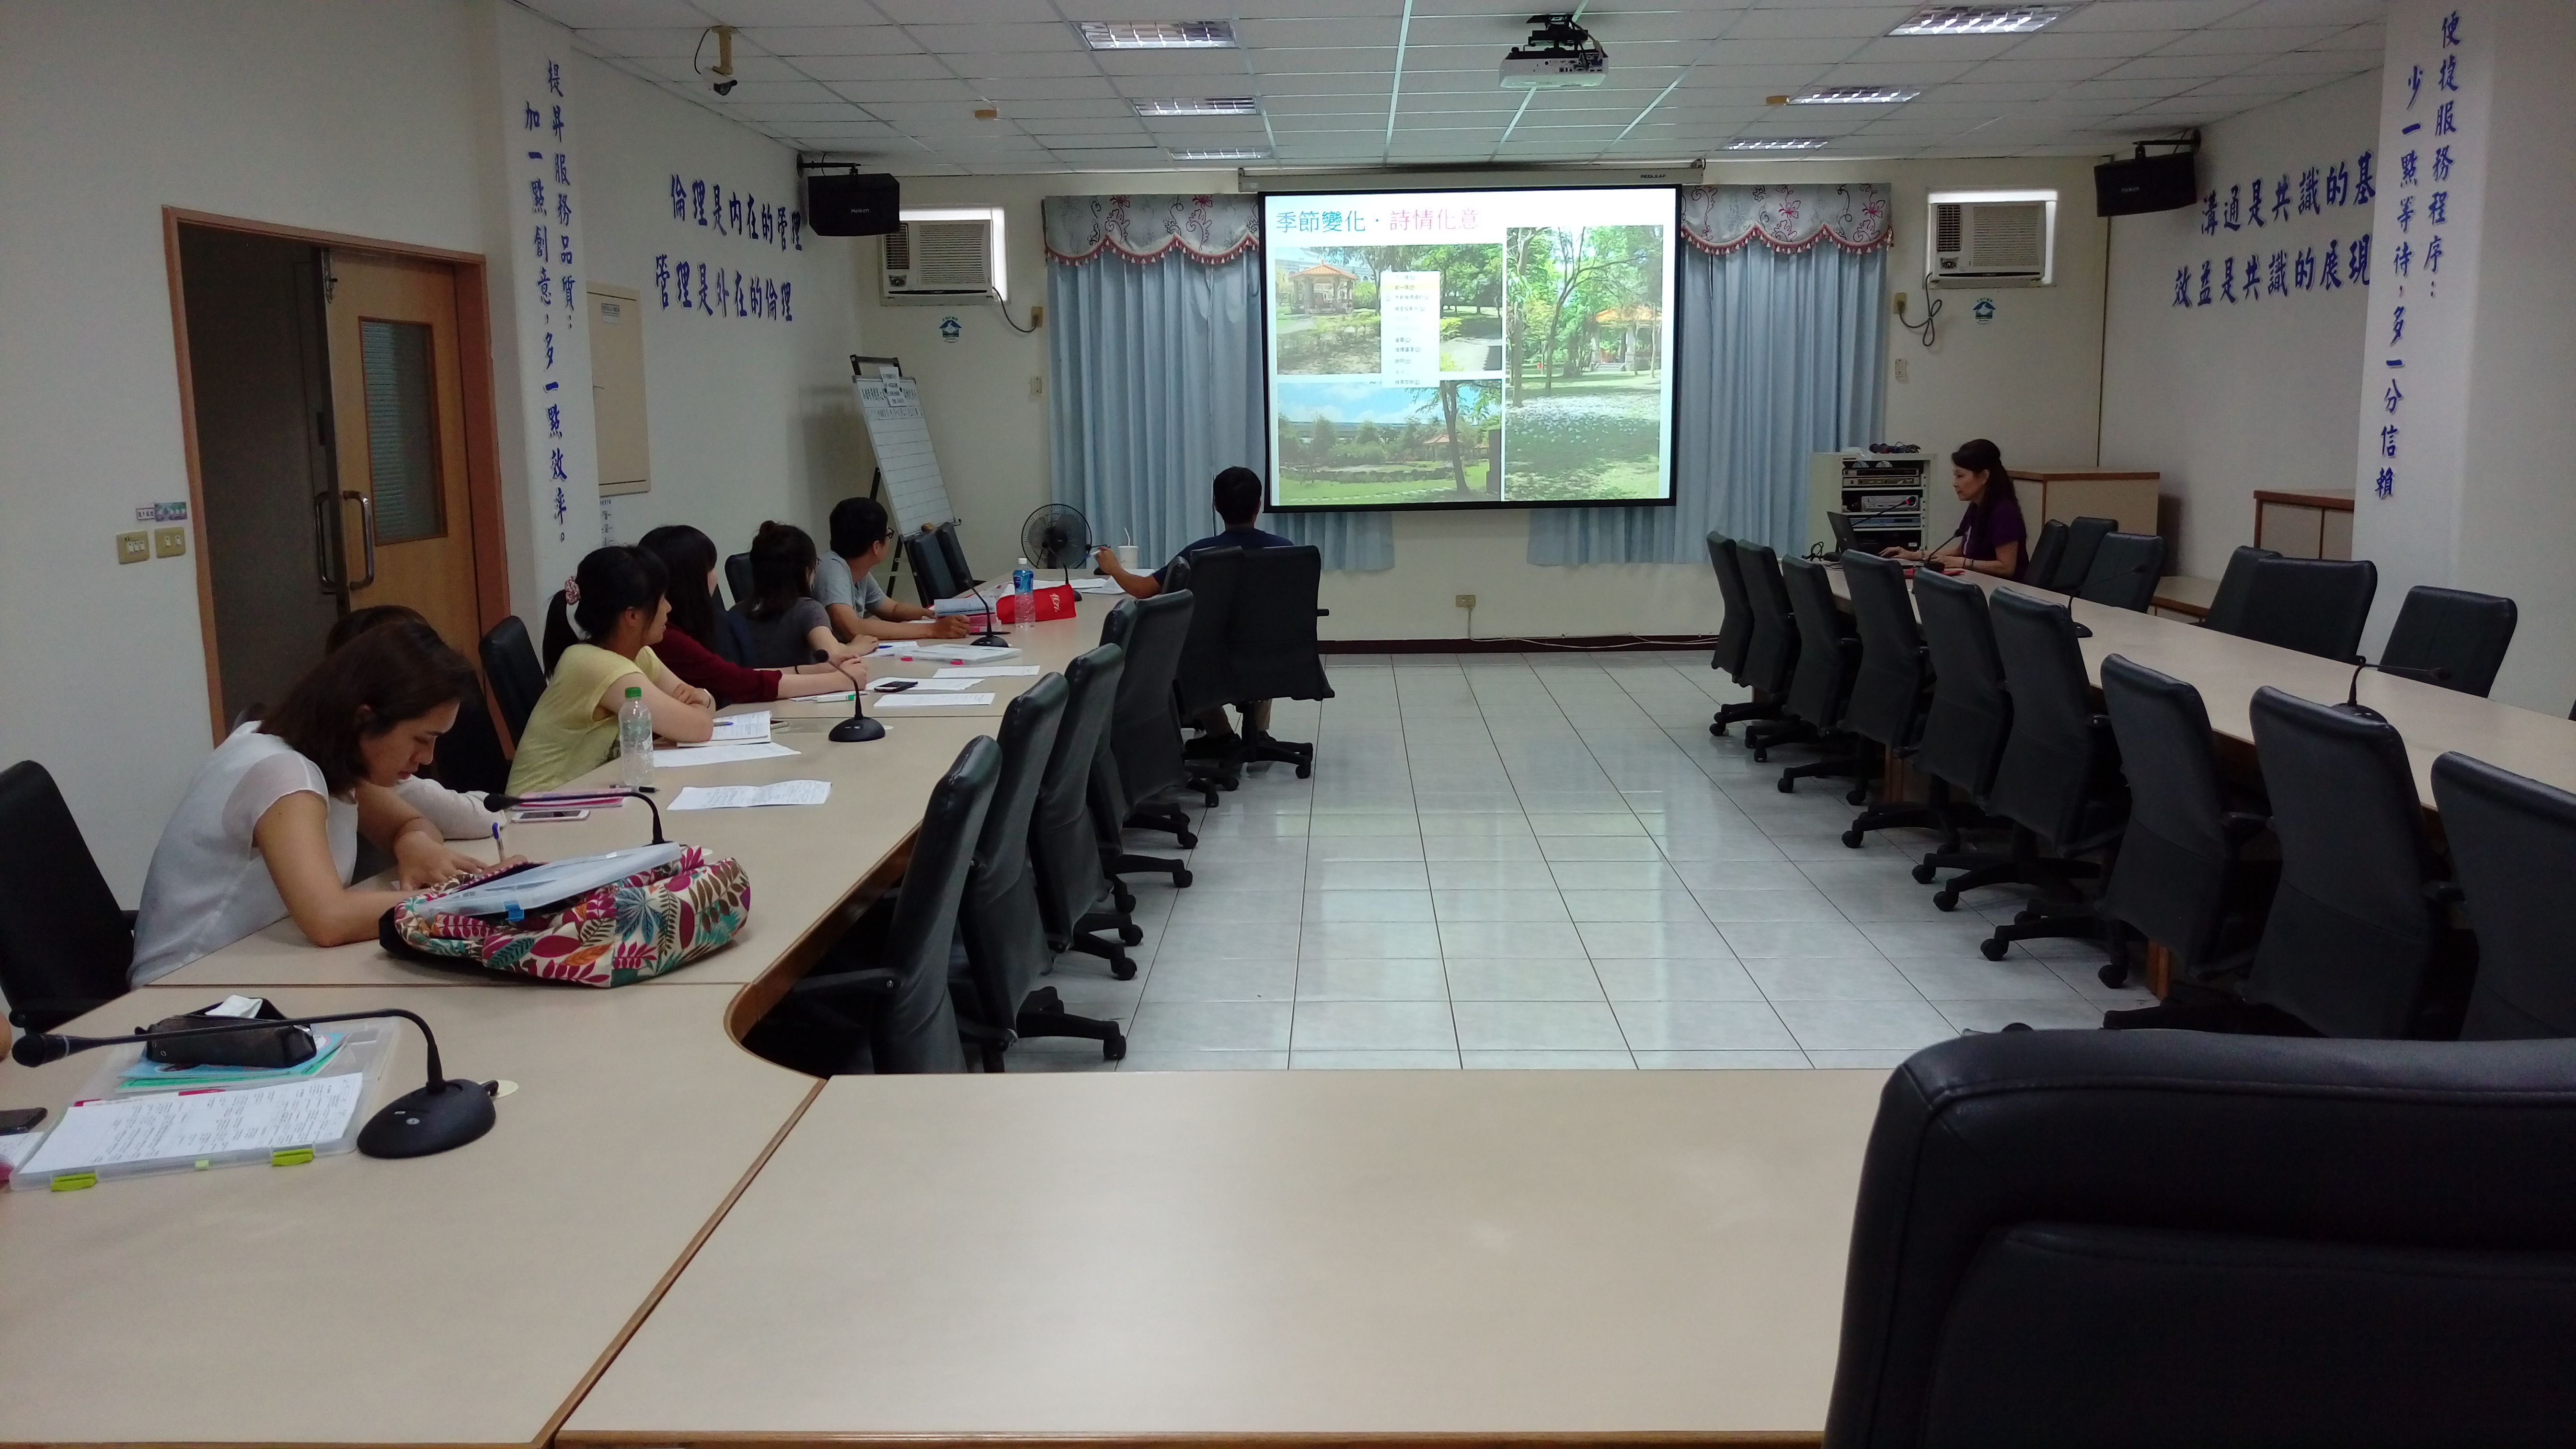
x=1904 y=370
x=1465 y=601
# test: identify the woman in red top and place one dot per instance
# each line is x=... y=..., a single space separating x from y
x=689 y=648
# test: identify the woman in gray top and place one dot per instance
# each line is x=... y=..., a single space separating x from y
x=787 y=627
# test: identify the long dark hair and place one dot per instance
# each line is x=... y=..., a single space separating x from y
x=1980 y=456
x=689 y=556
x=610 y=581
x=373 y=617
x=361 y=690
x=782 y=559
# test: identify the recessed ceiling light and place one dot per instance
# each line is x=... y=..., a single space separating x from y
x=1981 y=19
x=1158 y=34
x=1219 y=153
x=1200 y=106
x=1855 y=96
x=1778 y=143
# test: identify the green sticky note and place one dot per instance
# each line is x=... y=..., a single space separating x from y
x=74 y=1181
x=290 y=1157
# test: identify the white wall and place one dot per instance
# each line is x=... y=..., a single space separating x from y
x=2239 y=396
x=2029 y=380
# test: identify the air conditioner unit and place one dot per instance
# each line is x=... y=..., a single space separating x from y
x=939 y=262
x=1991 y=243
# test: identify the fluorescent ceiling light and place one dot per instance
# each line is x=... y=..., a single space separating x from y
x=1981 y=19
x=1219 y=153
x=1855 y=96
x=1200 y=106
x=1158 y=34
x=1778 y=143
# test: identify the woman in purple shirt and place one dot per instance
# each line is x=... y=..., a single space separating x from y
x=1991 y=539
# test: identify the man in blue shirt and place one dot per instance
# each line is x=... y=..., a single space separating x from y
x=1238 y=502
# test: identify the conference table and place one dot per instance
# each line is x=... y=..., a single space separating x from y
x=666 y=1239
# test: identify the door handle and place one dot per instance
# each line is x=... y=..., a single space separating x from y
x=322 y=542
x=366 y=533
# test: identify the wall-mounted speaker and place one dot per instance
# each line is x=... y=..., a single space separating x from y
x=852 y=204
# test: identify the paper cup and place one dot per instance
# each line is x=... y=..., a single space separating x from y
x=1127 y=556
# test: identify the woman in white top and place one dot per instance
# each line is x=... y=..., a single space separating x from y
x=457 y=815
x=269 y=828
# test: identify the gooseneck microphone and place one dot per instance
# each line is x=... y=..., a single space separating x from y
x=441 y=1115
x=605 y=792
x=858 y=728
x=2431 y=674
x=988 y=637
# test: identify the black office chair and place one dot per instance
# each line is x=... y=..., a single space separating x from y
x=2357 y=942
x=2083 y=538
x=1772 y=658
x=2511 y=840
x=65 y=946
x=1820 y=687
x=2084 y=1240
x=510 y=663
x=2235 y=586
x=1141 y=757
x=1739 y=658
x=2450 y=637
x=953 y=550
x=2045 y=553
x=1072 y=882
x=2316 y=606
x=1965 y=725
x=737 y=572
x=2058 y=782
x=1001 y=937
x=1893 y=689
x=879 y=1002
x=469 y=754
x=2181 y=878
x=932 y=577
x=2126 y=570
x=1203 y=677
x=1273 y=644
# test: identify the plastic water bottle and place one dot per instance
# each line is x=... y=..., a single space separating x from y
x=634 y=741
x=1024 y=593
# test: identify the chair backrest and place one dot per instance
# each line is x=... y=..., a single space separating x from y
x=2314 y=605
x=469 y=754
x=737 y=572
x=2511 y=839
x=2235 y=587
x=1971 y=713
x=2381 y=1227
x=64 y=944
x=1272 y=636
x=1888 y=695
x=932 y=577
x=1772 y=657
x=999 y=921
x=510 y=663
x=2462 y=634
x=953 y=549
x=2171 y=878
x=2126 y=569
x=2059 y=749
x=2045 y=554
x=1828 y=654
x=2083 y=537
x=2350 y=943
x=1204 y=676
x=914 y=1029
x=1064 y=847
x=1143 y=747
x=1735 y=631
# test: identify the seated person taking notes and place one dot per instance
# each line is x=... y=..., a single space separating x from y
x=601 y=630
x=1991 y=538
x=845 y=583
x=704 y=643
x=457 y=815
x=788 y=627
x=1238 y=503
x=269 y=827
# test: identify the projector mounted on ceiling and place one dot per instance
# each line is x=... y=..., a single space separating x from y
x=1557 y=55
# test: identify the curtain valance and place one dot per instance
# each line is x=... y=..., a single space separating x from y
x=1208 y=229
x=1852 y=215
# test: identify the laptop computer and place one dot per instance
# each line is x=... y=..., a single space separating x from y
x=1846 y=539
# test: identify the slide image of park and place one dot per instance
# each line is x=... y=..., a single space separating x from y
x=1332 y=301
x=1585 y=390
x=1355 y=443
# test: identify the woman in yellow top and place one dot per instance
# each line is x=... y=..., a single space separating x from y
x=619 y=606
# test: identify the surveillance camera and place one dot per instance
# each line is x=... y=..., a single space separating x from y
x=723 y=87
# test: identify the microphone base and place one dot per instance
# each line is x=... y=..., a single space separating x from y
x=858 y=729
x=989 y=640
x=428 y=1121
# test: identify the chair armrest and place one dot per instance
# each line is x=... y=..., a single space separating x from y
x=2242 y=826
x=874 y=981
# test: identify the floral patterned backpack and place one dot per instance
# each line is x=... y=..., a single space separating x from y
x=652 y=922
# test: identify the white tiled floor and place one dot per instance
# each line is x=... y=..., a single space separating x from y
x=1546 y=860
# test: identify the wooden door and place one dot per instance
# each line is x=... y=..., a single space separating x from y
x=398 y=401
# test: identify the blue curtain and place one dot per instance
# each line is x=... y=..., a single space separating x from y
x=1778 y=355
x=1157 y=387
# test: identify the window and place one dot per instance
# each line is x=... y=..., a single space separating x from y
x=1991 y=237
x=991 y=216
x=402 y=431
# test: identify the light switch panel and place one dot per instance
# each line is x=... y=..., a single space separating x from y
x=169 y=542
x=133 y=547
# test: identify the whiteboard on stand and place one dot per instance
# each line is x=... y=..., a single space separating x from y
x=891 y=404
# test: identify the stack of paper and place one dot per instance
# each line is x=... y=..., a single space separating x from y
x=933 y=701
x=935 y=652
x=989 y=671
x=943 y=685
x=747 y=728
x=167 y=1125
x=712 y=754
x=740 y=797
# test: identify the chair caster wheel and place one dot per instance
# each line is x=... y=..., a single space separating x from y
x=1788 y=785
x=1858 y=797
x=1230 y=784
x=1305 y=772
x=1114 y=1049
x=1124 y=899
x=1180 y=879
x=1852 y=839
x=1993 y=948
x=1718 y=730
x=1762 y=757
x=1923 y=874
x=2114 y=975
x=1131 y=935
x=1122 y=968
x=1946 y=901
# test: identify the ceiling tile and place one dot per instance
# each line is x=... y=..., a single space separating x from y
x=996 y=37
x=1043 y=111
x=1047 y=88
x=1905 y=73
x=2150 y=14
x=2315 y=63
x=1172 y=62
x=1741 y=53
x=872 y=67
x=2309 y=12
x=752 y=13
x=1810 y=22
x=932 y=12
x=601 y=14
x=1327 y=85
x=2249 y=41
x=922 y=118
x=747 y=68
x=750 y=90
x=663 y=41
x=1261 y=35
x=832 y=40
x=2258 y=88
x=2061 y=70
x=1024 y=63
x=2195 y=67
x=2372 y=38
x=871 y=93
x=1938 y=50
x=2000 y=94
x=1694 y=23
x=1322 y=60
x=1769 y=79
x=2147 y=88
x=2054 y=44
x=793 y=112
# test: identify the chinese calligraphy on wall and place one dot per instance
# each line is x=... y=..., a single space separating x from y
x=547 y=171
x=2260 y=244
x=2430 y=147
x=716 y=288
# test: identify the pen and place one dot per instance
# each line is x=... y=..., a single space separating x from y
x=497 y=853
